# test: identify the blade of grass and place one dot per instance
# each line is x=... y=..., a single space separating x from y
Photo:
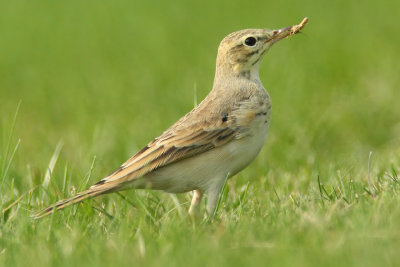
x=52 y=164
x=64 y=189
x=145 y=209
x=19 y=199
x=86 y=181
x=9 y=163
x=177 y=205
x=7 y=151
x=126 y=199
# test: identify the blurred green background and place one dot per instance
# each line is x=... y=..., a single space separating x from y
x=118 y=73
x=105 y=77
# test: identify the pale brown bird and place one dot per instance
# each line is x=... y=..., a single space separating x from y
x=214 y=141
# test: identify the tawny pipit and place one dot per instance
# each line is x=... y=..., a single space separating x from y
x=215 y=140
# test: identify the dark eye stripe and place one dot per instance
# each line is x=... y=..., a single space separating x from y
x=252 y=53
x=237 y=46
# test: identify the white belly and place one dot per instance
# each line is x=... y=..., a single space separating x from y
x=207 y=170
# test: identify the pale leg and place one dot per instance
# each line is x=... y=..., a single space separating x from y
x=194 y=209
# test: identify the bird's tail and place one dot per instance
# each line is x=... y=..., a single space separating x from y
x=91 y=192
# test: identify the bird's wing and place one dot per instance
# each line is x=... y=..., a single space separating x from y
x=192 y=135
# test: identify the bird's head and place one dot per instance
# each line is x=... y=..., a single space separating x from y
x=240 y=52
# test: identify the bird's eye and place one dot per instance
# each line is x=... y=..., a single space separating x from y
x=250 y=41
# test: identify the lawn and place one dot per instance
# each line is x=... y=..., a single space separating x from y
x=85 y=84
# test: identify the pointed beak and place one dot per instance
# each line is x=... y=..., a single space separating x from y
x=285 y=32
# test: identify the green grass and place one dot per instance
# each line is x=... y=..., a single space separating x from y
x=94 y=81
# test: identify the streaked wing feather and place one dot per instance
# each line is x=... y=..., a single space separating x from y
x=161 y=153
x=178 y=143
